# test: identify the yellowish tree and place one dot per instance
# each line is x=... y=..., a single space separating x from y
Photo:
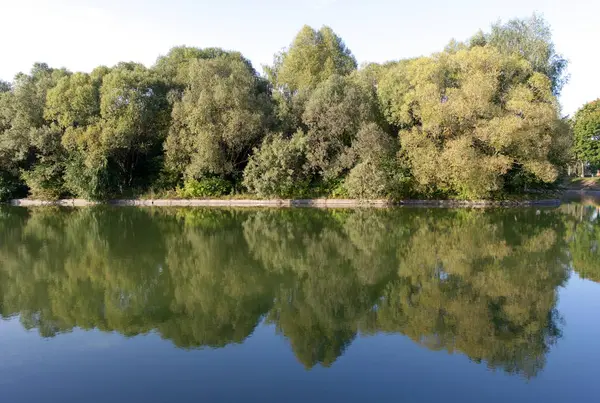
x=474 y=120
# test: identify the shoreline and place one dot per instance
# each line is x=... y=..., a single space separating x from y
x=322 y=203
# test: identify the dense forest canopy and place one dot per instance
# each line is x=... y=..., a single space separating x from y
x=479 y=119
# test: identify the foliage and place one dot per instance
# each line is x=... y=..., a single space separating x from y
x=278 y=168
x=91 y=182
x=527 y=38
x=9 y=186
x=122 y=137
x=4 y=86
x=531 y=39
x=334 y=114
x=478 y=120
x=470 y=117
x=45 y=181
x=312 y=58
x=222 y=116
x=206 y=187
x=74 y=101
x=586 y=131
x=30 y=145
x=174 y=66
x=377 y=173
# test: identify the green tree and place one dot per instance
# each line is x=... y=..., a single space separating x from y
x=335 y=112
x=473 y=119
x=9 y=178
x=530 y=38
x=278 y=167
x=223 y=114
x=586 y=131
x=478 y=120
x=393 y=92
x=74 y=106
x=120 y=148
x=173 y=67
x=376 y=171
x=74 y=101
x=30 y=146
x=312 y=58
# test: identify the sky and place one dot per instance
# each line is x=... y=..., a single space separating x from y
x=83 y=34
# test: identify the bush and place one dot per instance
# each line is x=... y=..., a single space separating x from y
x=371 y=180
x=376 y=172
x=206 y=187
x=278 y=167
x=83 y=181
x=45 y=181
x=9 y=186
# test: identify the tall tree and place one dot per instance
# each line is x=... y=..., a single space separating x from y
x=334 y=114
x=530 y=38
x=311 y=59
x=474 y=120
x=120 y=148
x=278 y=167
x=30 y=145
x=586 y=130
x=173 y=67
x=223 y=114
x=376 y=172
x=75 y=100
x=9 y=174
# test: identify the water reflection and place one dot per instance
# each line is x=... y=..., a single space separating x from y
x=583 y=235
x=481 y=283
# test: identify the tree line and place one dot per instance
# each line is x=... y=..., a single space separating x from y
x=479 y=119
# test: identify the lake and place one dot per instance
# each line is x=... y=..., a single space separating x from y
x=126 y=304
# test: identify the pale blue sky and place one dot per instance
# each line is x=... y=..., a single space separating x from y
x=82 y=34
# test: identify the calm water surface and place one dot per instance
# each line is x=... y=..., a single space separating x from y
x=299 y=305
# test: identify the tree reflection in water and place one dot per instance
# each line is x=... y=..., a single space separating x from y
x=482 y=283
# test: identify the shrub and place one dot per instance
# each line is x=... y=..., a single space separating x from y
x=45 y=181
x=375 y=180
x=376 y=171
x=92 y=183
x=278 y=167
x=9 y=186
x=206 y=187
